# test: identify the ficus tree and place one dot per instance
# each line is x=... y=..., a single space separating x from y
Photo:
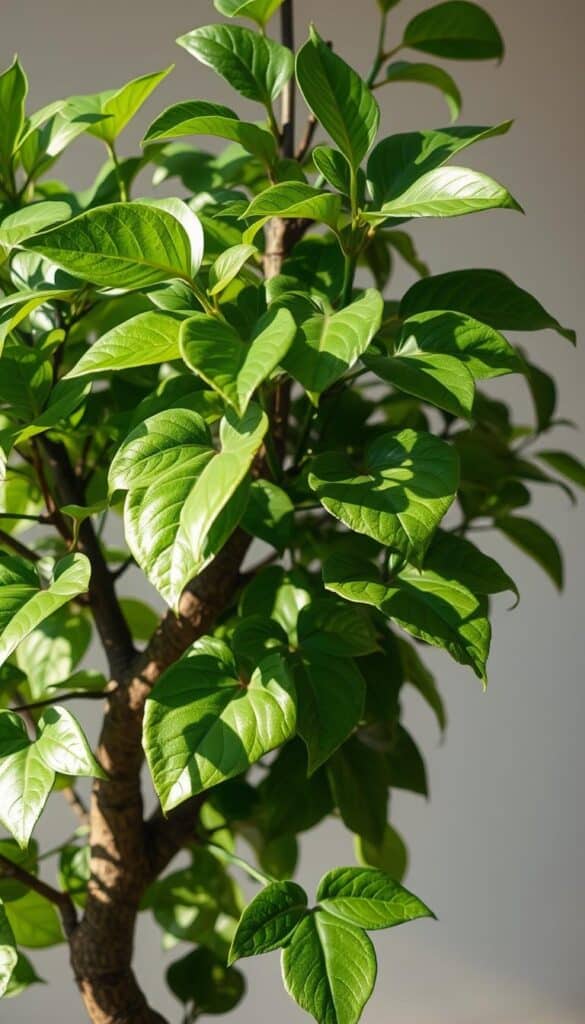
x=295 y=463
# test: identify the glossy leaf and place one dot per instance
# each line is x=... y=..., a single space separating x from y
x=484 y=351
x=338 y=98
x=63 y=746
x=427 y=74
x=455 y=29
x=368 y=898
x=8 y=952
x=447 y=192
x=199 y=117
x=269 y=920
x=25 y=779
x=329 y=968
x=441 y=380
x=256 y=66
x=30 y=220
x=407 y=486
x=295 y=199
x=119 y=106
x=16 y=307
x=202 y=725
x=143 y=340
x=227 y=266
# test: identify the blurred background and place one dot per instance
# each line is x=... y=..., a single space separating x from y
x=498 y=852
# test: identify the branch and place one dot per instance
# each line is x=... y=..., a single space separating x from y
x=307 y=138
x=7 y=541
x=62 y=900
x=61 y=698
x=288 y=93
x=76 y=804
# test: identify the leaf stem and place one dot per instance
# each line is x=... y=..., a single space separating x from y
x=119 y=176
x=239 y=862
x=7 y=541
x=60 y=698
x=380 y=55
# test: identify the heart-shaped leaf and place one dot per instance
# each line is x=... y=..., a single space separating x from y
x=441 y=380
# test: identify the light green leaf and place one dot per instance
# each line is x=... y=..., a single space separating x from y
x=119 y=106
x=22 y=977
x=389 y=856
x=329 y=968
x=456 y=29
x=331 y=693
x=51 y=652
x=427 y=74
x=295 y=199
x=269 y=514
x=400 y=160
x=30 y=220
x=25 y=779
x=199 y=117
x=566 y=464
x=484 y=351
x=19 y=583
x=442 y=612
x=338 y=98
x=227 y=266
x=269 y=920
x=447 y=192
x=441 y=380
x=64 y=399
x=145 y=339
x=8 y=952
x=487 y=295
x=256 y=66
x=259 y=11
x=202 y=725
x=13 y=90
x=63 y=746
x=368 y=898
x=123 y=245
x=327 y=345
x=537 y=543
x=408 y=483
x=141 y=618
x=34 y=921
x=16 y=307
x=215 y=351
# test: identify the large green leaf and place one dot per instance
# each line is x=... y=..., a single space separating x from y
x=202 y=725
x=13 y=90
x=70 y=578
x=295 y=199
x=331 y=694
x=269 y=920
x=25 y=779
x=328 y=344
x=438 y=610
x=455 y=29
x=487 y=295
x=199 y=117
x=537 y=543
x=329 y=968
x=8 y=952
x=30 y=220
x=259 y=11
x=368 y=898
x=400 y=160
x=338 y=98
x=447 y=192
x=484 y=351
x=145 y=339
x=256 y=66
x=118 y=106
x=441 y=380
x=407 y=485
x=63 y=746
x=427 y=74
x=123 y=245
x=234 y=368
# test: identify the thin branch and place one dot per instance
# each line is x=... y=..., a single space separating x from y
x=60 y=698
x=307 y=138
x=76 y=804
x=7 y=541
x=61 y=900
x=124 y=566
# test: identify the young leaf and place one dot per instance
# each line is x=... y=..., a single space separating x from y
x=8 y=952
x=327 y=345
x=199 y=117
x=34 y=921
x=427 y=74
x=146 y=339
x=227 y=266
x=63 y=746
x=368 y=898
x=295 y=199
x=16 y=307
x=446 y=192
x=487 y=295
x=330 y=693
x=202 y=725
x=259 y=11
x=338 y=98
x=407 y=486
x=119 y=106
x=484 y=351
x=329 y=968
x=256 y=66
x=123 y=245
x=269 y=920
x=536 y=542
x=456 y=29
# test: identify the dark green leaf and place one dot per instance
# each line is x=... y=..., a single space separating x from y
x=567 y=465
x=389 y=856
x=269 y=514
x=8 y=952
x=456 y=29
x=427 y=74
x=330 y=693
x=269 y=920
x=202 y=979
x=360 y=790
x=536 y=542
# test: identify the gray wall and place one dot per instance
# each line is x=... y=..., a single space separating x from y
x=498 y=852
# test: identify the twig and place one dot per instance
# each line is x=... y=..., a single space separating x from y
x=122 y=569
x=62 y=900
x=307 y=138
x=76 y=804
x=60 y=698
x=7 y=541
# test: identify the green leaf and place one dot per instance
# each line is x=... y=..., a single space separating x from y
x=70 y=578
x=331 y=627
x=543 y=391
x=199 y=117
x=259 y=11
x=202 y=725
x=334 y=167
x=269 y=920
x=338 y=98
x=446 y=192
x=51 y=652
x=8 y=953
x=329 y=968
x=22 y=977
x=13 y=90
x=123 y=245
x=458 y=559
x=34 y=921
x=484 y=351
x=487 y=295
x=331 y=693
x=389 y=856
x=25 y=779
x=442 y=612
x=295 y=199
x=327 y=345
x=201 y=978
x=140 y=617
x=566 y=464
x=215 y=351
x=269 y=514
x=30 y=220
x=143 y=340
x=15 y=308
x=64 y=400
x=227 y=266
x=358 y=782
x=537 y=543
x=119 y=106
x=256 y=66
x=441 y=380
x=19 y=583
x=419 y=676
x=427 y=74
x=456 y=29
x=278 y=595
x=408 y=484
x=368 y=898
x=400 y=160
x=63 y=746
